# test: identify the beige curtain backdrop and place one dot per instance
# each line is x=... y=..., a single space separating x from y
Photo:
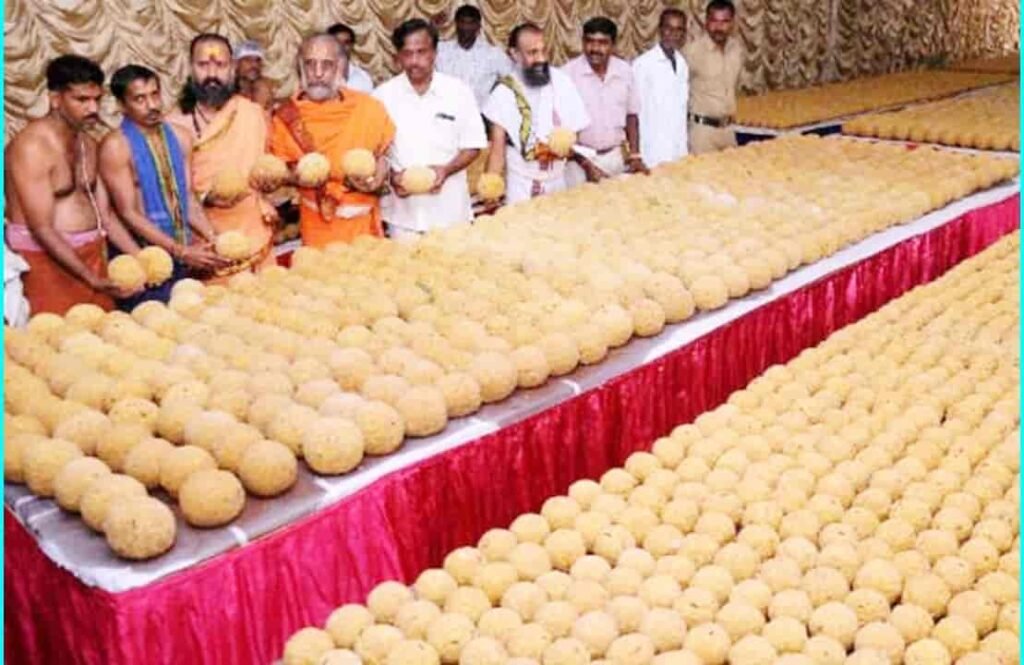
x=789 y=42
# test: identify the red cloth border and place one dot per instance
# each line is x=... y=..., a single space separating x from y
x=241 y=607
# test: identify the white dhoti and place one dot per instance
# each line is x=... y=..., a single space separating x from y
x=557 y=104
x=610 y=162
x=400 y=234
x=528 y=179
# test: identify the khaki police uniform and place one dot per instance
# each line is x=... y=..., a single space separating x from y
x=714 y=74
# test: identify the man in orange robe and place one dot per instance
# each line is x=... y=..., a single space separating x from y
x=327 y=118
x=229 y=134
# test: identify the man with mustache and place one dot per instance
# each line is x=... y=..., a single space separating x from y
x=663 y=80
x=470 y=57
x=249 y=79
x=145 y=165
x=228 y=134
x=58 y=215
x=356 y=77
x=438 y=125
x=606 y=85
x=523 y=110
x=327 y=118
x=715 y=60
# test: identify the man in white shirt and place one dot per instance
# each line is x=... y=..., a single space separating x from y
x=470 y=58
x=606 y=85
x=356 y=77
x=438 y=125
x=523 y=110
x=662 y=77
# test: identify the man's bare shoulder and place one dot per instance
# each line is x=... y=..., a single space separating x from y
x=113 y=142
x=115 y=152
x=37 y=136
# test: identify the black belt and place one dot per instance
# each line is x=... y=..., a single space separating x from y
x=710 y=121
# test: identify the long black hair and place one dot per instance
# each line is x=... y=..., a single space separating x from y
x=187 y=97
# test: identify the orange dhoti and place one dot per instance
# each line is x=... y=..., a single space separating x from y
x=334 y=212
x=47 y=286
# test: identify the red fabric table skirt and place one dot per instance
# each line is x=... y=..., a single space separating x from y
x=242 y=606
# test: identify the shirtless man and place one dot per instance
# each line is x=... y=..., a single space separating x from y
x=146 y=166
x=58 y=217
x=249 y=79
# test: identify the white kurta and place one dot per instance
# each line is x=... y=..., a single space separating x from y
x=556 y=104
x=664 y=97
x=430 y=130
x=359 y=79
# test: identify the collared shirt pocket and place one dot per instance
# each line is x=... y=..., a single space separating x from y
x=445 y=125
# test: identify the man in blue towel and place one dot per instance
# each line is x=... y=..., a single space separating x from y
x=145 y=165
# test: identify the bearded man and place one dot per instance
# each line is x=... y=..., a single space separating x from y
x=328 y=118
x=524 y=108
x=228 y=134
